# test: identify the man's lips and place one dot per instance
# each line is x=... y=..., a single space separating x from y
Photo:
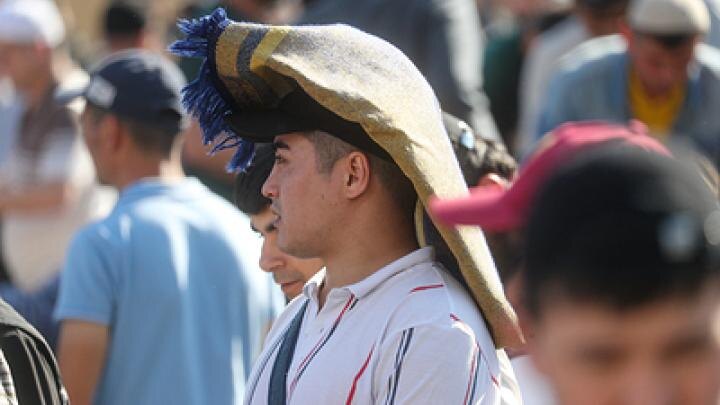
x=286 y=287
x=275 y=212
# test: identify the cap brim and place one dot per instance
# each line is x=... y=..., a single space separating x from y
x=485 y=207
x=263 y=126
x=66 y=96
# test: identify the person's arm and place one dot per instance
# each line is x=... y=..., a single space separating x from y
x=81 y=355
x=86 y=302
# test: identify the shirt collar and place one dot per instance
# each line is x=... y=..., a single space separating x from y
x=370 y=283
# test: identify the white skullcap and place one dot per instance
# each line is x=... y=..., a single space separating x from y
x=669 y=17
x=27 y=21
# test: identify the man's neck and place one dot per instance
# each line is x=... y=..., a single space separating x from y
x=360 y=259
x=168 y=170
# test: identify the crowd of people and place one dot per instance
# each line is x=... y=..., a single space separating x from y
x=376 y=201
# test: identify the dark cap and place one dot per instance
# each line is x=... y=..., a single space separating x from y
x=137 y=85
x=622 y=213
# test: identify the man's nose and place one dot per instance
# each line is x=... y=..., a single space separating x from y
x=270 y=259
x=269 y=188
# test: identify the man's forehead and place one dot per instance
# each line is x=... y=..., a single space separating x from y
x=670 y=314
x=288 y=140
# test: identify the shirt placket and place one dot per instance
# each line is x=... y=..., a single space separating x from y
x=313 y=335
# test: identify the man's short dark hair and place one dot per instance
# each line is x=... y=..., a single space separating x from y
x=248 y=184
x=622 y=228
x=476 y=155
x=158 y=137
x=124 y=19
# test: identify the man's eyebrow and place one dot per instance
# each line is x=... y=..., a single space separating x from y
x=280 y=145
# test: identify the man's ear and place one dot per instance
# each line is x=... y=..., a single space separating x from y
x=114 y=133
x=356 y=174
x=493 y=179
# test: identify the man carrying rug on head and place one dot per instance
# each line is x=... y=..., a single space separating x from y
x=360 y=146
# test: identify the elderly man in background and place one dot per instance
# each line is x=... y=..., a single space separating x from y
x=659 y=74
x=47 y=182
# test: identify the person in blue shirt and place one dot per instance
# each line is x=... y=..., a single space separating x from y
x=162 y=301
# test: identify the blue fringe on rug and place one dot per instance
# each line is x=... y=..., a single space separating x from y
x=202 y=97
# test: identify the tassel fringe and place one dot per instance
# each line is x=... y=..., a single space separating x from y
x=201 y=98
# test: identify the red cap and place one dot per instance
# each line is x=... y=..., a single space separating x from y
x=497 y=209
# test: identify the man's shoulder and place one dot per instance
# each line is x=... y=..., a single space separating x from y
x=432 y=302
x=709 y=59
x=559 y=39
x=428 y=295
x=594 y=57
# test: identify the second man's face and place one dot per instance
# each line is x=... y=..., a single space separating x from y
x=289 y=272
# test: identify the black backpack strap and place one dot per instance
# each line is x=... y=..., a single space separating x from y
x=35 y=372
x=277 y=388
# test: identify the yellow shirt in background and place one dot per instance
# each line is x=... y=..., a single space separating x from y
x=657 y=113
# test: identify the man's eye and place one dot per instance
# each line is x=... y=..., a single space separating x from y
x=279 y=159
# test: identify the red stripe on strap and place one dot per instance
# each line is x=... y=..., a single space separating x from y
x=426 y=287
x=357 y=377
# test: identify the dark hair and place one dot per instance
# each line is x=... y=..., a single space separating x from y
x=476 y=155
x=622 y=228
x=157 y=137
x=124 y=19
x=248 y=184
x=603 y=7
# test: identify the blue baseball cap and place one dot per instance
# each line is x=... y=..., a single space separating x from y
x=138 y=85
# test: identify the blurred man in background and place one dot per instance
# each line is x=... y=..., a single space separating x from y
x=160 y=302
x=659 y=74
x=47 y=182
x=590 y=19
x=622 y=281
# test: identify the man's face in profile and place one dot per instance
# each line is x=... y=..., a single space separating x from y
x=664 y=352
x=289 y=272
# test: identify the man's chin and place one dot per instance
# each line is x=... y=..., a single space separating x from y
x=291 y=289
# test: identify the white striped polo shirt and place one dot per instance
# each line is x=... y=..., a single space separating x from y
x=407 y=334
